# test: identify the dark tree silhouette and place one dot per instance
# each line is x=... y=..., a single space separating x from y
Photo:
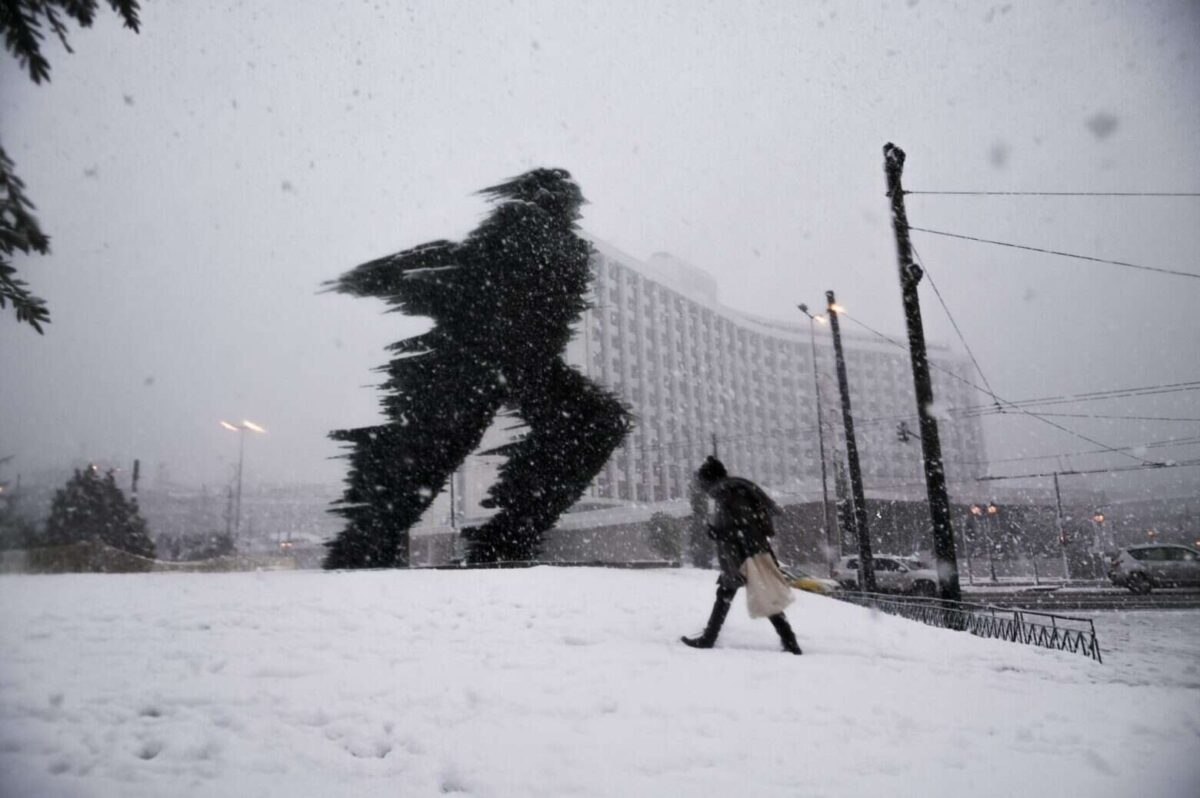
x=503 y=302
x=19 y=232
x=21 y=23
x=665 y=536
x=90 y=506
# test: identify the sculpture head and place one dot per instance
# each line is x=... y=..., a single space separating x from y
x=553 y=190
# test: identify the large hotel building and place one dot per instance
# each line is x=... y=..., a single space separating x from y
x=698 y=375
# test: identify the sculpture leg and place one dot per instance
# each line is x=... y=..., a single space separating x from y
x=397 y=469
x=573 y=428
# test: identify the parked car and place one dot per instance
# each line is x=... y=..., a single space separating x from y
x=803 y=580
x=892 y=575
x=1150 y=565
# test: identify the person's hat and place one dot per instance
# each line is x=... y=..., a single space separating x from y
x=711 y=471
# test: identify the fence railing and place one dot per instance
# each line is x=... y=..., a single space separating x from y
x=1034 y=628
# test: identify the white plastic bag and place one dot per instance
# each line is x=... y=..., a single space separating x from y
x=767 y=590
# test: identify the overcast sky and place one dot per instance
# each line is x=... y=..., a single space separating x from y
x=200 y=179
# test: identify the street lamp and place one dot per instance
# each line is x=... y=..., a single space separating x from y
x=978 y=512
x=1097 y=543
x=812 y=330
x=240 y=429
x=992 y=511
x=967 y=550
x=866 y=564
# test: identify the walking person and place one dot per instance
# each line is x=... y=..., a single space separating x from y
x=742 y=527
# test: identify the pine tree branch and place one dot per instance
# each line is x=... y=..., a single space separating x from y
x=19 y=229
x=19 y=232
x=21 y=24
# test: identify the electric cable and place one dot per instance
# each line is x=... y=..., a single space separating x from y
x=1057 y=252
x=1062 y=193
x=1121 y=418
x=1092 y=396
x=950 y=316
x=1071 y=472
x=1047 y=421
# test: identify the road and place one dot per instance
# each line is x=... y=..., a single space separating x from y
x=1053 y=599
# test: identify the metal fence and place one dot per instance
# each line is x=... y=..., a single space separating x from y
x=1044 y=629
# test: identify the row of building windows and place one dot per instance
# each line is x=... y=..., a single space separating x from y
x=689 y=370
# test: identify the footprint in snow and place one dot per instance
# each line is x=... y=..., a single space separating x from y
x=572 y=640
x=1099 y=763
x=150 y=749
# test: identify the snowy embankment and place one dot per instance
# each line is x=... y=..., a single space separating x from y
x=550 y=682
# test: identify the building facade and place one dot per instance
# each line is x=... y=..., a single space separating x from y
x=701 y=377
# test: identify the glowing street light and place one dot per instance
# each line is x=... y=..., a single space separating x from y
x=240 y=429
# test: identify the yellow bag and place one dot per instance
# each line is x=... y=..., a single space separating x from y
x=767 y=590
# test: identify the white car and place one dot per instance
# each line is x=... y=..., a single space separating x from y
x=892 y=575
x=1150 y=565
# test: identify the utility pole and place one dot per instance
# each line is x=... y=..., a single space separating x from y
x=935 y=474
x=866 y=565
x=812 y=329
x=237 y=517
x=962 y=537
x=843 y=506
x=240 y=429
x=229 y=512
x=1058 y=522
x=714 y=443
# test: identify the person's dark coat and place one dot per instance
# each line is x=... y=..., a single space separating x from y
x=741 y=524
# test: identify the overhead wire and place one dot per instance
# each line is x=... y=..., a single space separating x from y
x=1062 y=193
x=1190 y=441
x=997 y=407
x=998 y=399
x=1072 y=472
x=1120 y=418
x=1057 y=252
x=1091 y=396
x=950 y=316
x=954 y=323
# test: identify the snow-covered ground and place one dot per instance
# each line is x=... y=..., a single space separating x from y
x=558 y=682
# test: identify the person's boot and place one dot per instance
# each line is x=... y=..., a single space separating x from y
x=715 y=620
x=786 y=635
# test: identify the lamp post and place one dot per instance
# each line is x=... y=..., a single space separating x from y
x=240 y=429
x=1097 y=544
x=967 y=551
x=982 y=520
x=866 y=565
x=992 y=511
x=1062 y=532
x=812 y=330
